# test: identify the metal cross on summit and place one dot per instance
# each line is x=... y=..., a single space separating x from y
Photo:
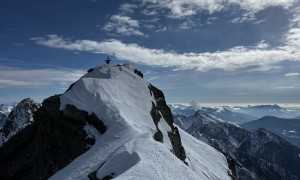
x=107 y=60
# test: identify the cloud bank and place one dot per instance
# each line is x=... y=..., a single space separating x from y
x=46 y=77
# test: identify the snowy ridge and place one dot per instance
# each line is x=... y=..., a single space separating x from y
x=127 y=150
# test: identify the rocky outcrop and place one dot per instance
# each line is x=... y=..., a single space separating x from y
x=48 y=144
x=139 y=73
x=161 y=109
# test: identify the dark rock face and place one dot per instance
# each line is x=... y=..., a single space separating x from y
x=97 y=123
x=162 y=108
x=47 y=145
x=258 y=155
x=139 y=73
x=176 y=143
x=90 y=70
x=158 y=136
x=72 y=113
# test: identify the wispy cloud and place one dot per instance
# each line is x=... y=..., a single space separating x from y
x=247 y=93
x=287 y=87
x=46 y=77
x=247 y=17
x=231 y=59
x=184 y=8
x=17 y=44
x=123 y=25
x=292 y=74
x=128 y=8
x=187 y=24
x=260 y=21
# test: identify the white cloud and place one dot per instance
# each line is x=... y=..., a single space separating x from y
x=46 y=77
x=186 y=24
x=247 y=17
x=183 y=8
x=292 y=37
x=262 y=45
x=148 y=12
x=231 y=59
x=123 y=25
x=286 y=87
x=260 y=21
x=258 y=5
x=211 y=20
x=128 y=8
x=292 y=74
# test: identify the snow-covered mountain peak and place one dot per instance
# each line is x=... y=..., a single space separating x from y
x=110 y=123
x=139 y=129
x=19 y=117
x=117 y=95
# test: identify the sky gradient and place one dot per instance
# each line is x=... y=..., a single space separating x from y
x=205 y=51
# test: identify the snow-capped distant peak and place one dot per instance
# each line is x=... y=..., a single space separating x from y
x=19 y=118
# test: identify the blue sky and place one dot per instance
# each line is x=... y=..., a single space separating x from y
x=206 y=51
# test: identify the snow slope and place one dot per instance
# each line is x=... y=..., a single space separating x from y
x=127 y=150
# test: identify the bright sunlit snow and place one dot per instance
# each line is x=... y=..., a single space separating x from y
x=122 y=100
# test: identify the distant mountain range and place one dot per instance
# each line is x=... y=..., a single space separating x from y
x=5 y=109
x=237 y=114
x=267 y=110
x=289 y=129
x=258 y=155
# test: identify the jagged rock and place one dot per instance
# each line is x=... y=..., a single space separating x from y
x=161 y=108
x=158 y=136
x=97 y=123
x=73 y=113
x=177 y=145
x=139 y=73
x=90 y=70
x=162 y=105
x=48 y=144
